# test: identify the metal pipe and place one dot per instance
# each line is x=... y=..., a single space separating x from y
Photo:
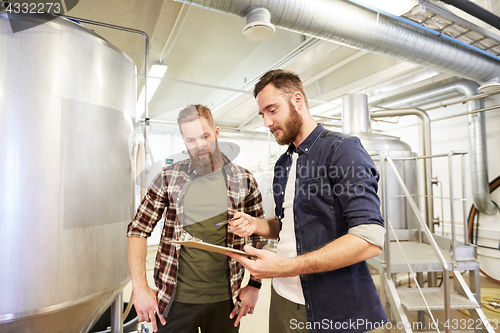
x=464 y=202
x=346 y=23
x=478 y=150
x=204 y=85
x=355 y=115
x=489 y=108
x=225 y=128
x=442 y=203
x=117 y=315
x=387 y=255
x=447 y=296
x=477 y=133
x=463 y=100
x=452 y=207
x=479 y=163
x=426 y=149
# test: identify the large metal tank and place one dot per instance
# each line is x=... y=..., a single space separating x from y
x=264 y=178
x=356 y=121
x=67 y=100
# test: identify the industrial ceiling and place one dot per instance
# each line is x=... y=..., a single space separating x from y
x=210 y=61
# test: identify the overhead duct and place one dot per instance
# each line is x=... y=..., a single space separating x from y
x=350 y=24
x=477 y=132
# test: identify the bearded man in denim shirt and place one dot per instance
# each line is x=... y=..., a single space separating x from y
x=328 y=220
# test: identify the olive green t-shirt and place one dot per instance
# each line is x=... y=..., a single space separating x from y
x=203 y=275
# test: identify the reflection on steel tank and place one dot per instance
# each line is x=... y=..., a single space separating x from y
x=67 y=99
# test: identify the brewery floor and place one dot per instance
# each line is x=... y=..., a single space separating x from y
x=258 y=322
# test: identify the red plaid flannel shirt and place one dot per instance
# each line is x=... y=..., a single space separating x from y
x=167 y=191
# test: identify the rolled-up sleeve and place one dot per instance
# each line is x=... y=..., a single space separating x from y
x=150 y=210
x=372 y=233
x=356 y=183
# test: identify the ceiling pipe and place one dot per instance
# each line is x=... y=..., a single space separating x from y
x=476 y=11
x=477 y=133
x=353 y=25
x=433 y=93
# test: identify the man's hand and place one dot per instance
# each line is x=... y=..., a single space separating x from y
x=146 y=306
x=248 y=296
x=244 y=226
x=267 y=264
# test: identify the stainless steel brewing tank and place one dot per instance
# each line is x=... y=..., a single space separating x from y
x=399 y=212
x=264 y=178
x=67 y=100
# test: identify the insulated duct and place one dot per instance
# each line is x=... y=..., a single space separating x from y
x=349 y=24
x=477 y=132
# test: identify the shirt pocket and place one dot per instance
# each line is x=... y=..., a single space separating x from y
x=314 y=196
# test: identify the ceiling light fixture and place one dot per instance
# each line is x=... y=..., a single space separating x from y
x=259 y=27
x=156 y=73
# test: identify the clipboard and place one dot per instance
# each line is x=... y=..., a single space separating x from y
x=211 y=247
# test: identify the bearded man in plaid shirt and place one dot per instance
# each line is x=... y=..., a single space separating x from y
x=196 y=288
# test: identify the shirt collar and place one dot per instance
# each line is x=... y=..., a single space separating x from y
x=306 y=145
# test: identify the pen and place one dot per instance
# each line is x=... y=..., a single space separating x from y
x=226 y=222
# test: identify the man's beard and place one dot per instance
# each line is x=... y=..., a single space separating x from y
x=209 y=163
x=290 y=128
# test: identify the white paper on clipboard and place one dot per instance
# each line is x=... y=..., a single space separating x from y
x=211 y=247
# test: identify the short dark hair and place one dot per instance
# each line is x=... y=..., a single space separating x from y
x=194 y=112
x=285 y=81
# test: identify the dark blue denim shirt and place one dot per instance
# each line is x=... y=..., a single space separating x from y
x=335 y=189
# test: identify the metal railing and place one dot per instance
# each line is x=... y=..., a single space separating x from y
x=453 y=199
x=424 y=228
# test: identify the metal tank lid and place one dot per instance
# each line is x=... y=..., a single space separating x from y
x=356 y=121
x=390 y=145
x=63 y=23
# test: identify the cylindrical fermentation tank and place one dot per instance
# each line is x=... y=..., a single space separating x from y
x=356 y=121
x=67 y=99
x=263 y=176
